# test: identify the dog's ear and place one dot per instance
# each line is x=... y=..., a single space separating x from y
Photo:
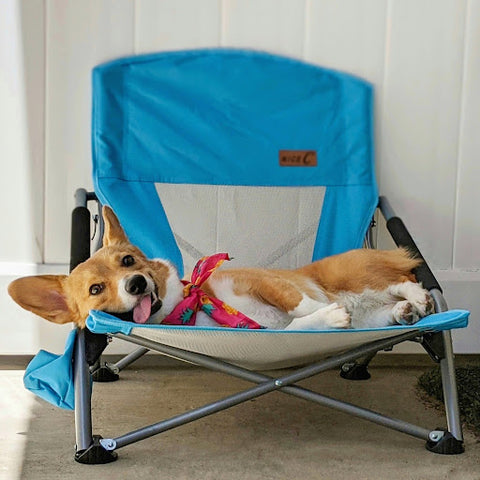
x=42 y=295
x=114 y=233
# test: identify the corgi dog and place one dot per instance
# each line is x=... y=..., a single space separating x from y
x=357 y=289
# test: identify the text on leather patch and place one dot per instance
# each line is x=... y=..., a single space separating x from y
x=297 y=158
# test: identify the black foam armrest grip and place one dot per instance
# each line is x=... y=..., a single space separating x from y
x=80 y=239
x=95 y=343
x=402 y=238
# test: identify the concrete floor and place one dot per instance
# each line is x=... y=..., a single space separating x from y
x=272 y=437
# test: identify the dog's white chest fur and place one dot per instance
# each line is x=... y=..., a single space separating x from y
x=265 y=315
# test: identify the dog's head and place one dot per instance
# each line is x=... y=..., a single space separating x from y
x=118 y=279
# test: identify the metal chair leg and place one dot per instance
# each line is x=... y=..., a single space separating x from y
x=81 y=379
x=451 y=441
x=88 y=447
x=129 y=359
x=449 y=384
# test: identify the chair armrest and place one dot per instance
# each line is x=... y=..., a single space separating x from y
x=402 y=238
x=80 y=236
x=79 y=252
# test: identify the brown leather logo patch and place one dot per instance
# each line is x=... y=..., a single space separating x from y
x=297 y=158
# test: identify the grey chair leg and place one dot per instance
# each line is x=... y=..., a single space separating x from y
x=129 y=359
x=451 y=441
x=109 y=372
x=449 y=384
x=81 y=379
x=88 y=447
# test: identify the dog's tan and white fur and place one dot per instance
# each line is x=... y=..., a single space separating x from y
x=357 y=289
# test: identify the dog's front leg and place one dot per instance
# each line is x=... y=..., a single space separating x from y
x=328 y=316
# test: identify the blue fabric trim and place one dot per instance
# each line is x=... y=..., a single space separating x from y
x=143 y=218
x=346 y=216
x=50 y=376
x=101 y=322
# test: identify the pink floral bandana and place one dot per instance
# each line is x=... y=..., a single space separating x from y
x=195 y=299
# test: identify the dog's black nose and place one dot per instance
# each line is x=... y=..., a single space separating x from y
x=136 y=285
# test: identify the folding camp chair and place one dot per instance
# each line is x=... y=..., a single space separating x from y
x=288 y=134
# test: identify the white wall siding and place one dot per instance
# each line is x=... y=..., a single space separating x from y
x=79 y=35
x=420 y=117
x=348 y=35
x=273 y=25
x=22 y=95
x=176 y=25
x=466 y=252
x=422 y=56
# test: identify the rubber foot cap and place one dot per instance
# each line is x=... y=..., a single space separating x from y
x=104 y=375
x=355 y=372
x=95 y=454
x=447 y=445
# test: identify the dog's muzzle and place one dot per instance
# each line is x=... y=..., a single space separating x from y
x=148 y=302
x=136 y=285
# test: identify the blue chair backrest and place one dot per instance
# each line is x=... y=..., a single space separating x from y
x=231 y=117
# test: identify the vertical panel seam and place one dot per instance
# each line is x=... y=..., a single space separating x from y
x=134 y=27
x=306 y=28
x=44 y=133
x=223 y=22
x=378 y=126
x=386 y=53
x=461 y=121
x=217 y=222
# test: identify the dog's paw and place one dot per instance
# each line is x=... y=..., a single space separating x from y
x=336 y=316
x=405 y=313
x=416 y=295
x=425 y=305
x=421 y=301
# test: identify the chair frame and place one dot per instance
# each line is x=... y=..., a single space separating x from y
x=93 y=449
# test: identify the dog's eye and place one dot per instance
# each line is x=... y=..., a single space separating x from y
x=128 y=261
x=96 y=288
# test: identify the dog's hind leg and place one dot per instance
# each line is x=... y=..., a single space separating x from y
x=288 y=297
x=296 y=299
x=420 y=301
x=312 y=311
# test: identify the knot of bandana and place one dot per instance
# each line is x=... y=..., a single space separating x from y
x=195 y=299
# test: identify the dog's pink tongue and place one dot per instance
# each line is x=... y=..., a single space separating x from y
x=141 y=312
